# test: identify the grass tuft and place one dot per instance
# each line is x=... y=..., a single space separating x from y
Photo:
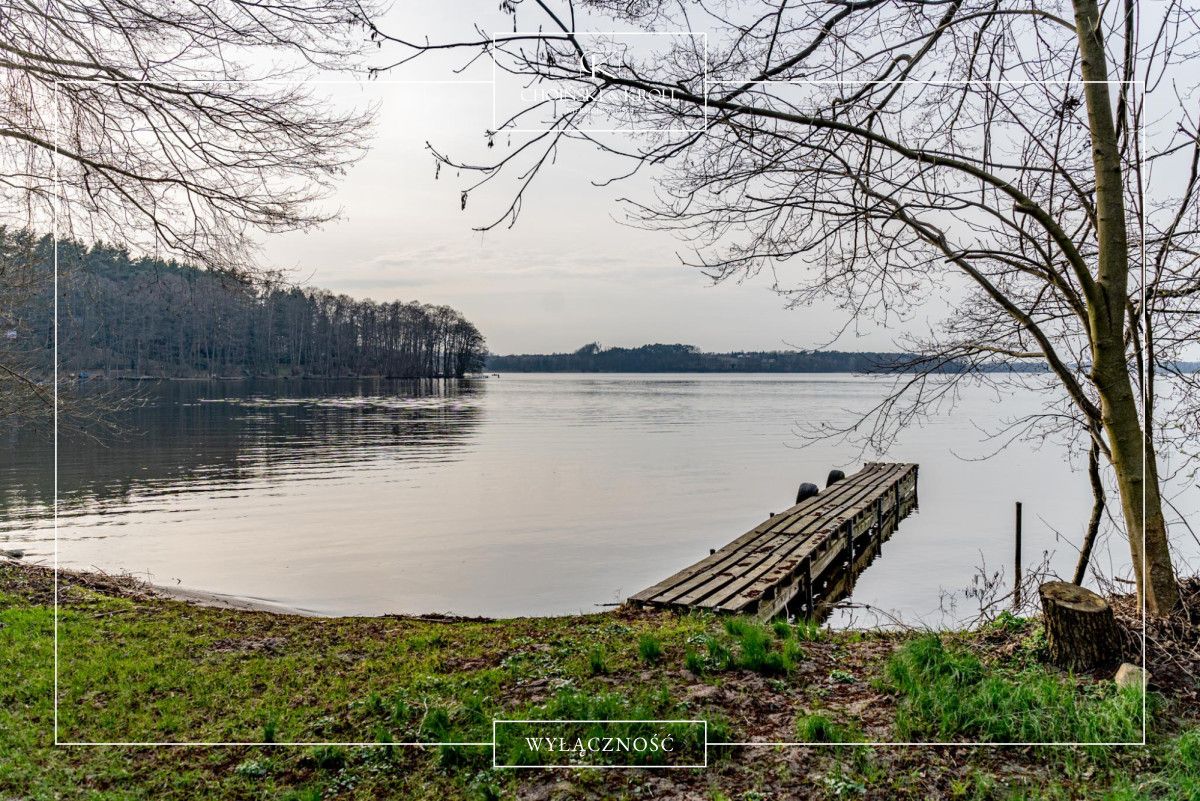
x=305 y=794
x=807 y=630
x=1007 y=622
x=820 y=729
x=719 y=657
x=649 y=649
x=769 y=650
x=329 y=757
x=758 y=651
x=947 y=693
x=436 y=725
x=598 y=661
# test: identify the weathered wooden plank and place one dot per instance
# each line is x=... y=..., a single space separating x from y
x=771 y=562
x=791 y=517
x=738 y=561
x=745 y=564
x=679 y=589
x=786 y=545
x=818 y=551
x=874 y=478
x=848 y=491
x=718 y=559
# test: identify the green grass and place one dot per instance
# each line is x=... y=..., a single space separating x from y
x=820 y=729
x=329 y=757
x=947 y=693
x=143 y=669
x=138 y=670
x=769 y=650
x=719 y=657
x=1178 y=780
x=597 y=661
x=650 y=649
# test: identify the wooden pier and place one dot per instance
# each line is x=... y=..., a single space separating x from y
x=795 y=560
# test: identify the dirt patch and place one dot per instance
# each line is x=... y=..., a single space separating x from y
x=250 y=645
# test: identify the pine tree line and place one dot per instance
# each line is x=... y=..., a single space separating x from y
x=121 y=316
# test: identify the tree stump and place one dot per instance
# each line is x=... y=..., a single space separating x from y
x=1080 y=629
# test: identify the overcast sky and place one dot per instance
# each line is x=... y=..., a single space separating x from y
x=569 y=273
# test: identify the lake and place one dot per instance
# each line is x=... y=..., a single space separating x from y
x=525 y=494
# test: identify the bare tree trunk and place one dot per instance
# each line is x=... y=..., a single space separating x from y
x=1136 y=473
x=1089 y=538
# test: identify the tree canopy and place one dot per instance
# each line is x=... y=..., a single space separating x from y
x=122 y=316
x=179 y=130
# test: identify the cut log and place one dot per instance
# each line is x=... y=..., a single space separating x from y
x=1080 y=630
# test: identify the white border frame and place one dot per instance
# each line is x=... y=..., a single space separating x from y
x=707 y=82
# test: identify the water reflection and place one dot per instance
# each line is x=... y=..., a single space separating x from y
x=208 y=436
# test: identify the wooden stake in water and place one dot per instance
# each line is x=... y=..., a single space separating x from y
x=1017 y=564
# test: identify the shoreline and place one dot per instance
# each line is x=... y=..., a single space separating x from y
x=220 y=600
x=129 y=585
x=238 y=603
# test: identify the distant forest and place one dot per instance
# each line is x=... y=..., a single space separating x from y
x=123 y=316
x=689 y=359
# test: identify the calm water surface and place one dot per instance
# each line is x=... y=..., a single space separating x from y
x=518 y=495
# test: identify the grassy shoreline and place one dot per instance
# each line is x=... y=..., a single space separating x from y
x=138 y=667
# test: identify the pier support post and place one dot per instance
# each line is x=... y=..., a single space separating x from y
x=1017 y=563
x=806 y=569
